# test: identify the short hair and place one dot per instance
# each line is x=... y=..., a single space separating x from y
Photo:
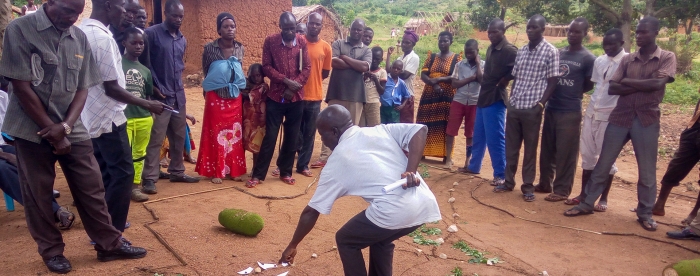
x=615 y=32
x=377 y=49
x=288 y=15
x=368 y=29
x=583 y=21
x=171 y=4
x=472 y=42
x=539 y=17
x=131 y=31
x=499 y=23
x=653 y=21
x=445 y=33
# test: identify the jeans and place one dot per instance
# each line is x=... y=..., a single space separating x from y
x=489 y=131
x=308 y=134
x=645 y=143
x=113 y=155
x=274 y=114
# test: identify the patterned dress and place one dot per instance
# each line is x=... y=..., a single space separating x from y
x=254 y=117
x=434 y=107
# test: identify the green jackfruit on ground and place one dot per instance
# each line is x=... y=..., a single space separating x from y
x=241 y=222
x=683 y=268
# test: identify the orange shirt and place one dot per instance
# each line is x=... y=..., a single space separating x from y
x=320 y=55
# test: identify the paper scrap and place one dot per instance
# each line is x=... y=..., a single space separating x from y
x=399 y=183
x=283 y=274
x=266 y=266
x=285 y=264
x=246 y=271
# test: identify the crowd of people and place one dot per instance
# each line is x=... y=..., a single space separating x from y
x=102 y=97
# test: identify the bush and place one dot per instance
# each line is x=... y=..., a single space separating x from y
x=686 y=49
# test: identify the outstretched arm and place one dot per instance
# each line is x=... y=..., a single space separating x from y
x=307 y=221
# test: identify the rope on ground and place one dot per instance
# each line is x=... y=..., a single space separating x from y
x=306 y=191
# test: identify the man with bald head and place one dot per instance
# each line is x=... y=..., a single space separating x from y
x=351 y=58
x=535 y=72
x=48 y=129
x=359 y=168
x=285 y=100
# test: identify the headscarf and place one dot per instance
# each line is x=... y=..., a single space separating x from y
x=221 y=17
x=410 y=35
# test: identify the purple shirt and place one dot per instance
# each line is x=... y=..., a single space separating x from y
x=167 y=57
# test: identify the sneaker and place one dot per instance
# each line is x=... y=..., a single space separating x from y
x=138 y=196
x=149 y=187
x=126 y=251
x=497 y=181
x=184 y=178
x=685 y=234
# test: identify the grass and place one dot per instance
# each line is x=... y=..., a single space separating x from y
x=419 y=238
x=477 y=257
x=457 y=271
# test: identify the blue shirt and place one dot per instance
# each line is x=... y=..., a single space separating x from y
x=167 y=57
x=394 y=93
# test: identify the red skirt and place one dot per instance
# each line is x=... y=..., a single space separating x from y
x=221 y=144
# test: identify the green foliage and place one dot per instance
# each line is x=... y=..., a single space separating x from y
x=477 y=257
x=457 y=271
x=299 y=3
x=418 y=235
x=482 y=12
x=686 y=49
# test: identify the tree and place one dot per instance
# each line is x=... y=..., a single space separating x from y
x=5 y=18
x=299 y=3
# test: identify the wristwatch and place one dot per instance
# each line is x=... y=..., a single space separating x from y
x=67 y=128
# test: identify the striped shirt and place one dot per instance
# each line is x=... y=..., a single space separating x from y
x=100 y=110
x=531 y=71
x=644 y=105
x=212 y=52
x=59 y=64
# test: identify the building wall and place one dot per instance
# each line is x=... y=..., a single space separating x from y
x=328 y=31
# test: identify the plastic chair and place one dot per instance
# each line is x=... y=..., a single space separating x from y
x=9 y=203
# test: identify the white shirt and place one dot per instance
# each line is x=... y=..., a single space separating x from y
x=100 y=110
x=602 y=104
x=411 y=62
x=4 y=100
x=361 y=168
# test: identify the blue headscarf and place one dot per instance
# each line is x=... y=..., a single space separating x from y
x=219 y=75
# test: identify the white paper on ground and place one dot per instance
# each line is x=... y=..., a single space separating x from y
x=399 y=183
x=246 y=271
x=285 y=264
x=266 y=266
x=283 y=274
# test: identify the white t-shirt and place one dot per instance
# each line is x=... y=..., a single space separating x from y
x=411 y=63
x=602 y=104
x=4 y=100
x=366 y=160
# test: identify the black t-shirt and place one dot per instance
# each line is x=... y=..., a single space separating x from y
x=575 y=68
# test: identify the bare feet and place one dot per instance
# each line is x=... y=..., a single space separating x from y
x=658 y=211
x=216 y=180
x=687 y=220
x=448 y=164
x=237 y=178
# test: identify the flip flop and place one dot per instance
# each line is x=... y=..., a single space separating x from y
x=648 y=224
x=600 y=207
x=572 y=201
x=307 y=173
x=252 y=183
x=288 y=180
x=554 y=197
x=65 y=218
x=529 y=197
x=501 y=189
x=276 y=172
x=580 y=212
x=318 y=164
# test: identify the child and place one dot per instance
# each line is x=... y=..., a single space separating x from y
x=374 y=88
x=395 y=94
x=139 y=121
x=254 y=110
x=466 y=78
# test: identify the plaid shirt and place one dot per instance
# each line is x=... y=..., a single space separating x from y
x=531 y=71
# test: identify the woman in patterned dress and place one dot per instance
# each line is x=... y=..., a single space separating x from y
x=434 y=106
x=221 y=152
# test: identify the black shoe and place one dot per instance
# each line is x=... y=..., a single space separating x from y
x=163 y=175
x=685 y=234
x=184 y=179
x=58 y=264
x=148 y=187
x=125 y=252
x=56 y=194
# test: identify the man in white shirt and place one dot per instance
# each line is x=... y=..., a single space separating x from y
x=595 y=121
x=390 y=215
x=103 y=114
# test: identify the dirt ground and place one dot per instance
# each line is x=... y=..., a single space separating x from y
x=529 y=237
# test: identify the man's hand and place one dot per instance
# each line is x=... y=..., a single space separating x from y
x=288 y=255
x=292 y=85
x=399 y=107
x=157 y=107
x=157 y=94
x=411 y=180
x=61 y=147
x=371 y=76
x=53 y=133
x=9 y=157
x=191 y=118
x=288 y=95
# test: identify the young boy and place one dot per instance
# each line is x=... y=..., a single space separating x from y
x=395 y=94
x=375 y=80
x=466 y=78
x=139 y=121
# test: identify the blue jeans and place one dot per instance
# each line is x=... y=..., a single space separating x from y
x=489 y=131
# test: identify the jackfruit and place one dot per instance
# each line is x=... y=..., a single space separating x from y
x=241 y=222
x=683 y=268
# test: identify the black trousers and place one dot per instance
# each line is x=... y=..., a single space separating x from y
x=685 y=158
x=359 y=233
x=276 y=114
x=308 y=134
x=113 y=154
x=561 y=133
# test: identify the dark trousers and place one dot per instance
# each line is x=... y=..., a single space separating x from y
x=359 y=233
x=407 y=113
x=307 y=134
x=645 y=141
x=9 y=179
x=561 y=134
x=113 y=154
x=275 y=113
x=37 y=172
x=522 y=127
x=685 y=158
x=174 y=126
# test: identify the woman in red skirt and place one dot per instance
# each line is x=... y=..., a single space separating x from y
x=221 y=152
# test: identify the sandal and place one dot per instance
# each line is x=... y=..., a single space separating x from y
x=573 y=201
x=307 y=173
x=600 y=207
x=578 y=211
x=529 y=197
x=252 y=183
x=276 y=172
x=554 y=197
x=65 y=218
x=502 y=189
x=541 y=190
x=318 y=164
x=648 y=224
x=288 y=180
